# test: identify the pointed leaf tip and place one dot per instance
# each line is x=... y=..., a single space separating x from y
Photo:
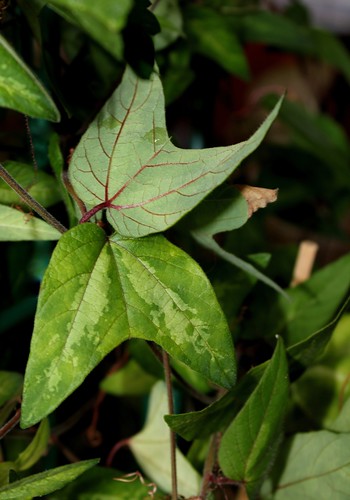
x=126 y=164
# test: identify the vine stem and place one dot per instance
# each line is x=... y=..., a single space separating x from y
x=167 y=372
x=33 y=204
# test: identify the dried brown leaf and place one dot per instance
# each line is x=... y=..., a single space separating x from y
x=257 y=197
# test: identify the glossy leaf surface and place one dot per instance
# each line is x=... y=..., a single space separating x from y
x=98 y=292
x=126 y=164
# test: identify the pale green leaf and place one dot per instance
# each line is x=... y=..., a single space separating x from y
x=312 y=465
x=151 y=448
x=103 y=20
x=45 y=482
x=40 y=185
x=169 y=17
x=130 y=380
x=20 y=89
x=249 y=444
x=126 y=164
x=16 y=225
x=98 y=292
x=36 y=448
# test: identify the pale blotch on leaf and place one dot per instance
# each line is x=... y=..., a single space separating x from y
x=256 y=197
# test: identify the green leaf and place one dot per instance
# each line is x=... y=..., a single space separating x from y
x=131 y=379
x=170 y=19
x=35 y=449
x=103 y=21
x=312 y=465
x=273 y=29
x=45 y=482
x=210 y=34
x=96 y=293
x=10 y=385
x=107 y=484
x=217 y=416
x=216 y=214
x=249 y=444
x=57 y=164
x=20 y=89
x=126 y=164
x=41 y=186
x=16 y=225
x=151 y=448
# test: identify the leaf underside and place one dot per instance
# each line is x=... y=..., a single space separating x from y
x=126 y=164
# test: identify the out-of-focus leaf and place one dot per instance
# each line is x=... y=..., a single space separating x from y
x=103 y=21
x=170 y=19
x=130 y=380
x=19 y=226
x=35 y=449
x=10 y=385
x=211 y=35
x=151 y=448
x=311 y=465
x=40 y=185
x=20 y=89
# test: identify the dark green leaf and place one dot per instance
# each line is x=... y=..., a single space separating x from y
x=249 y=444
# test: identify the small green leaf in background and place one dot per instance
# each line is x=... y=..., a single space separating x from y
x=130 y=380
x=10 y=385
x=16 y=225
x=103 y=21
x=20 y=89
x=151 y=448
x=211 y=35
x=98 y=292
x=248 y=446
x=311 y=465
x=57 y=164
x=169 y=17
x=40 y=185
x=44 y=483
x=35 y=449
x=126 y=164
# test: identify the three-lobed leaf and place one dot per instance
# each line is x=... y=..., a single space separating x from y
x=126 y=164
x=98 y=292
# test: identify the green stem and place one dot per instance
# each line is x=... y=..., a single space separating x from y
x=167 y=372
x=33 y=204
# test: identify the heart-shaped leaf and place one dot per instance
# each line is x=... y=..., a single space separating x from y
x=126 y=164
x=98 y=292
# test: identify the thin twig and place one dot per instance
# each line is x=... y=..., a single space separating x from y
x=5 y=429
x=167 y=372
x=33 y=204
